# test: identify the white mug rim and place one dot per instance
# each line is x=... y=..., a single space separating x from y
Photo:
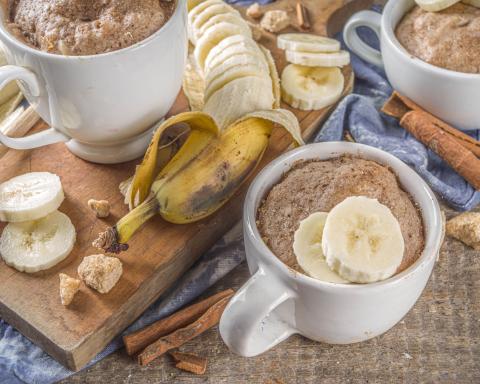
x=433 y=239
x=388 y=30
x=6 y=35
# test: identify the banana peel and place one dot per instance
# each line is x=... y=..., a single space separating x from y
x=203 y=175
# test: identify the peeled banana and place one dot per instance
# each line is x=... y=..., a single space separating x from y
x=227 y=138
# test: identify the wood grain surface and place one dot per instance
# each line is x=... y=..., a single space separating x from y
x=158 y=255
x=437 y=342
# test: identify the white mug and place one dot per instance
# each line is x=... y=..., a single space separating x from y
x=452 y=96
x=277 y=301
x=103 y=106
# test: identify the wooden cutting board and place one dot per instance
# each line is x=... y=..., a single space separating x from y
x=159 y=254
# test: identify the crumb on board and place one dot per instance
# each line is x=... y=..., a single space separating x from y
x=466 y=228
x=69 y=286
x=274 y=21
x=100 y=272
x=254 y=11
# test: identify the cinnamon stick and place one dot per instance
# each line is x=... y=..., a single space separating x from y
x=190 y=362
x=183 y=335
x=138 y=340
x=303 y=19
x=398 y=105
x=426 y=130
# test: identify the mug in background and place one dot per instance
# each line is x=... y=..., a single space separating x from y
x=452 y=96
x=277 y=301
x=103 y=106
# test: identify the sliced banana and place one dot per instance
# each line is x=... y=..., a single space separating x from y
x=218 y=78
x=474 y=3
x=311 y=88
x=198 y=8
x=214 y=35
x=272 y=68
x=36 y=245
x=233 y=51
x=239 y=97
x=235 y=44
x=435 y=5
x=305 y=42
x=246 y=58
x=213 y=15
x=307 y=246
x=318 y=59
x=362 y=240
x=30 y=196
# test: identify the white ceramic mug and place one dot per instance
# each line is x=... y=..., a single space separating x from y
x=103 y=106
x=452 y=96
x=277 y=301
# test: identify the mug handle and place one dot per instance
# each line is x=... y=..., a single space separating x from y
x=9 y=73
x=372 y=20
x=250 y=325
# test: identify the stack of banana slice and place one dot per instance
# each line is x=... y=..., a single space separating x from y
x=440 y=5
x=38 y=236
x=358 y=241
x=233 y=88
x=313 y=80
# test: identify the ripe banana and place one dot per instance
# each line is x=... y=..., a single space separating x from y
x=307 y=246
x=318 y=59
x=30 y=196
x=362 y=240
x=435 y=5
x=226 y=141
x=305 y=42
x=206 y=171
x=36 y=245
x=310 y=88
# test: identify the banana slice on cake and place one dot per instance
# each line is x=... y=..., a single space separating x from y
x=213 y=36
x=310 y=88
x=318 y=59
x=305 y=42
x=36 y=245
x=30 y=196
x=307 y=246
x=435 y=5
x=362 y=240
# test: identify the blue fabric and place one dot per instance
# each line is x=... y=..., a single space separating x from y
x=359 y=114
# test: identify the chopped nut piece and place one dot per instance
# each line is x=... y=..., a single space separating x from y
x=254 y=11
x=68 y=288
x=275 y=21
x=466 y=228
x=100 y=272
x=100 y=207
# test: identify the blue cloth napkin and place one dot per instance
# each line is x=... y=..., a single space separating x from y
x=23 y=362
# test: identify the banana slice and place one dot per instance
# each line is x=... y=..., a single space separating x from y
x=309 y=88
x=30 y=196
x=213 y=15
x=228 y=47
x=307 y=246
x=239 y=97
x=37 y=245
x=474 y=3
x=214 y=35
x=435 y=5
x=362 y=240
x=246 y=58
x=214 y=83
x=305 y=42
x=318 y=59
x=198 y=8
x=233 y=51
x=272 y=68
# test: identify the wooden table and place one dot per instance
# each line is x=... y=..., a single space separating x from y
x=437 y=342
